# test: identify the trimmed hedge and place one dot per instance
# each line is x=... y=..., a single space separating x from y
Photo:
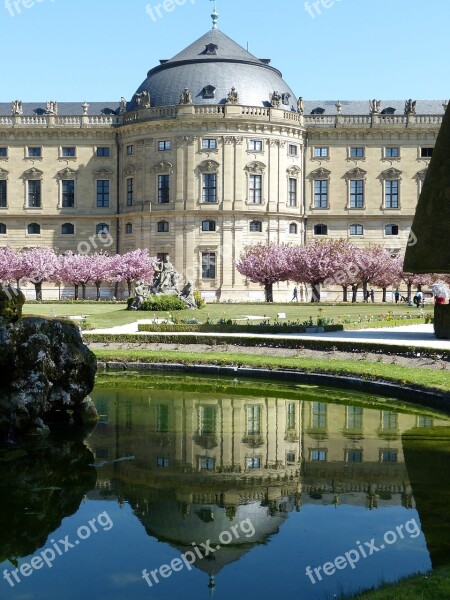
x=163 y=302
x=442 y=321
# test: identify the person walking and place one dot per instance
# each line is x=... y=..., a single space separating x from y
x=295 y=295
x=372 y=295
x=396 y=296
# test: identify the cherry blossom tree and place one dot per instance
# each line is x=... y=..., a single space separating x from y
x=133 y=266
x=370 y=262
x=390 y=275
x=38 y=265
x=9 y=265
x=265 y=264
x=101 y=270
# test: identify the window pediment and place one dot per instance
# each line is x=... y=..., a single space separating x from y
x=208 y=166
x=320 y=173
x=419 y=176
x=256 y=167
x=129 y=171
x=294 y=171
x=4 y=174
x=67 y=173
x=391 y=174
x=163 y=167
x=103 y=174
x=33 y=174
x=356 y=173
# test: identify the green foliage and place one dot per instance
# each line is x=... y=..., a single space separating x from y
x=163 y=302
x=11 y=303
x=442 y=321
x=199 y=300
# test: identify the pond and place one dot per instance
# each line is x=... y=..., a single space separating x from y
x=194 y=487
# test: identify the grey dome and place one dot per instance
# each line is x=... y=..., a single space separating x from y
x=215 y=60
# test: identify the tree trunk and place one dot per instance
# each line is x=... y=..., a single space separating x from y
x=354 y=293
x=83 y=291
x=384 y=295
x=408 y=293
x=38 y=289
x=97 y=285
x=365 y=286
x=268 y=291
x=344 y=293
x=315 y=291
x=76 y=291
x=129 y=288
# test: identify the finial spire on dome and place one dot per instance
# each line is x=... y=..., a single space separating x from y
x=215 y=15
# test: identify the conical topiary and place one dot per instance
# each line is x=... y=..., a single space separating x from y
x=431 y=225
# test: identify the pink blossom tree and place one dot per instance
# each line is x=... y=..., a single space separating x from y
x=390 y=274
x=101 y=270
x=370 y=262
x=265 y=264
x=76 y=269
x=8 y=264
x=133 y=266
x=38 y=265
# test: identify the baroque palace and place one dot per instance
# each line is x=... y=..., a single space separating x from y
x=213 y=152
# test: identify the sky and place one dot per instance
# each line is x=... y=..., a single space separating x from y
x=100 y=50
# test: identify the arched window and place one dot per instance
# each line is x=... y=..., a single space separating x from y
x=208 y=225
x=2 y=229
x=256 y=226
x=356 y=229
x=34 y=229
x=320 y=229
x=391 y=229
x=102 y=228
x=163 y=226
x=293 y=228
x=67 y=229
x=129 y=228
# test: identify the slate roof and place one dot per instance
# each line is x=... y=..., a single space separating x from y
x=361 y=107
x=65 y=109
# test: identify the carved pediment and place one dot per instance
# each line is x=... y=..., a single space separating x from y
x=320 y=173
x=208 y=166
x=103 y=174
x=163 y=167
x=129 y=171
x=4 y=174
x=256 y=167
x=33 y=174
x=294 y=171
x=420 y=176
x=356 y=173
x=67 y=173
x=391 y=174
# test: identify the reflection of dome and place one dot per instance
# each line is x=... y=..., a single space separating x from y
x=210 y=68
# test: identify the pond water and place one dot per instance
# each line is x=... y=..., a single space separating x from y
x=197 y=487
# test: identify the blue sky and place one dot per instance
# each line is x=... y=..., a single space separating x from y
x=95 y=50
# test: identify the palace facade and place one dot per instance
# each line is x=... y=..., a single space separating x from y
x=213 y=152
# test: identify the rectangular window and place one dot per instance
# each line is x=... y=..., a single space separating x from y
x=391 y=193
x=255 y=189
x=162 y=418
x=34 y=193
x=425 y=422
x=209 y=187
x=321 y=193
x=426 y=152
x=319 y=415
x=318 y=455
x=68 y=152
x=207 y=420
x=164 y=145
x=130 y=183
x=207 y=464
x=209 y=144
x=161 y=257
x=208 y=265
x=357 y=152
x=392 y=152
x=163 y=189
x=102 y=193
x=354 y=417
x=34 y=151
x=290 y=416
x=354 y=456
x=253 y=420
x=68 y=193
x=292 y=192
x=321 y=151
x=253 y=462
x=255 y=145
x=389 y=456
x=103 y=151
x=3 y=152
x=290 y=457
x=356 y=193
x=293 y=150
x=390 y=420
x=162 y=461
x=3 y=193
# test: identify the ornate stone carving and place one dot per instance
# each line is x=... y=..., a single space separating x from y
x=33 y=174
x=391 y=174
x=320 y=173
x=208 y=166
x=445 y=105
x=67 y=173
x=51 y=107
x=233 y=96
x=186 y=96
x=129 y=171
x=356 y=173
x=163 y=167
x=375 y=107
x=294 y=171
x=85 y=107
x=103 y=174
x=275 y=99
x=410 y=107
x=123 y=106
x=233 y=139
x=16 y=108
x=143 y=100
x=279 y=143
x=301 y=106
x=189 y=139
x=4 y=174
x=256 y=168
x=420 y=175
x=338 y=106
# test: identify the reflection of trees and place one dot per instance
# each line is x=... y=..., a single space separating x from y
x=40 y=486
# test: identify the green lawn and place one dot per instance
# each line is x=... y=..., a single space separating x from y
x=104 y=315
